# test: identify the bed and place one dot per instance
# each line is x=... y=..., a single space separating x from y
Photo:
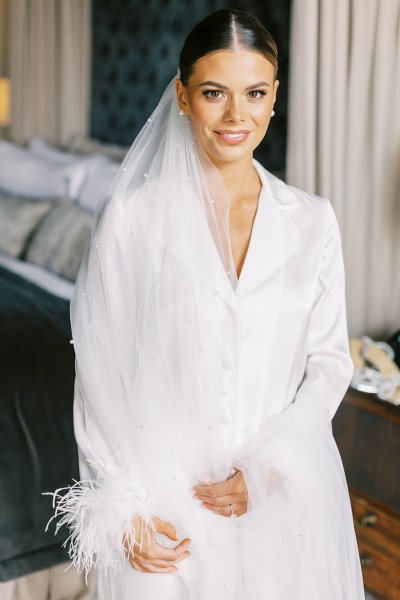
x=47 y=200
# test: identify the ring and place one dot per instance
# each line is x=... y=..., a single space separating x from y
x=233 y=514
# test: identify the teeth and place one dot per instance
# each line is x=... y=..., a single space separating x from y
x=233 y=135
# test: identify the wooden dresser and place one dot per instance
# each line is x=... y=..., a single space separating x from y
x=367 y=432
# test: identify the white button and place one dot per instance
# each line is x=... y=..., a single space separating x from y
x=227 y=365
x=226 y=421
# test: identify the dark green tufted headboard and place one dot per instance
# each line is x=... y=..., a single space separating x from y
x=136 y=46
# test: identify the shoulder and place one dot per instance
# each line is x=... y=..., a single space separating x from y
x=303 y=208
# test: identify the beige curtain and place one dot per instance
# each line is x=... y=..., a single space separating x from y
x=3 y=39
x=344 y=141
x=50 y=47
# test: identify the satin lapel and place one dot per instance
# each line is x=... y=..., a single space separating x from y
x=202 y=257
x=274 y=236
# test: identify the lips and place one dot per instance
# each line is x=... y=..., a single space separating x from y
x=233 y=136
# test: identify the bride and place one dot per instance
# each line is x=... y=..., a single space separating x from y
x=211 y=344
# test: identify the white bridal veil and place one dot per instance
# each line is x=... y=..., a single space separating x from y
x=147 y=416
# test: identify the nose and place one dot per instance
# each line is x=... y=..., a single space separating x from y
x=234 y=110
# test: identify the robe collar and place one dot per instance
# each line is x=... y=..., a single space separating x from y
x=274 y=236
x=274 y=239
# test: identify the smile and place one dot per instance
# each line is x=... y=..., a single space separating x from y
x=233 y=137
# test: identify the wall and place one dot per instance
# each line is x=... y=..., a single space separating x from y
x=135 y=53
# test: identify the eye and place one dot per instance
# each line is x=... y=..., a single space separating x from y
x=213 y=94
x=257 y=94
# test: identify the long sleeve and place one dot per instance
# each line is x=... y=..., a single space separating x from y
x=292 y=468
x=100 y=508
x=329 y=367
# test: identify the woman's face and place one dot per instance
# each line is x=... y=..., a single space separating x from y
x=229 y=99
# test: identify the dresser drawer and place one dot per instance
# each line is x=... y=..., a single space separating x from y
x=376 y=526
x=367 y=433
x=381 y=572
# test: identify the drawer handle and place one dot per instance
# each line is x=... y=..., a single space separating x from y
x=366 y=560
x=369 y=519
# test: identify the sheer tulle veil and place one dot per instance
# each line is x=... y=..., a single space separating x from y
x=146 y=344
x=148 y=394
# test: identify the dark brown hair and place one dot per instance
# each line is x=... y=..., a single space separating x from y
x=223 y=30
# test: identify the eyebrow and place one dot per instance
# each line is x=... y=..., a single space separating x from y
x=224 y=87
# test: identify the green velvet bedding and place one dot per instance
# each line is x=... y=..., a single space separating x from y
x=37 y=446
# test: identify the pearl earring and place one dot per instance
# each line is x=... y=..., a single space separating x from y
x=181 y=113
x=273 y=113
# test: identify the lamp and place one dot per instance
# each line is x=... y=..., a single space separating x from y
x=4 y=102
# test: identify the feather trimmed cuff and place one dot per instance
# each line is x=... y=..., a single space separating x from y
x=99 y=514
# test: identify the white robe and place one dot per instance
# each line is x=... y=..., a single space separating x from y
x=283 y=366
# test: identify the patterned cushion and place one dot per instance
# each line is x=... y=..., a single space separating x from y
x=83 y=145
x=18 y=219
x=60 y=241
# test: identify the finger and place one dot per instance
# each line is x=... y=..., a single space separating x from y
x=158 y=551
x=134 y=563
x=172 y=553
x=155 y=557
x=152 y=565
x=166 y=528
x=225 y=511
x=234 y=483
x=213 y=491
x=182 y=546
x=157 y=562
x=151 y=568
x=222 y=500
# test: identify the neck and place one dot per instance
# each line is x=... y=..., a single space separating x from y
x=240 y=177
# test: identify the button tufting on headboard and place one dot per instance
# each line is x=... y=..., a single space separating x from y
x=135 y=53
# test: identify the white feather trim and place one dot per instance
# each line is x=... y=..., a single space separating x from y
x=99 y=514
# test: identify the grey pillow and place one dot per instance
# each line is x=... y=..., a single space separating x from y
x=59 y=243
x=18 y=218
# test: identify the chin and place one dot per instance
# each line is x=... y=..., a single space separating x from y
x=230 y=154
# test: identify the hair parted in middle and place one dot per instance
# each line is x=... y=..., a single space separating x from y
x=226 y=30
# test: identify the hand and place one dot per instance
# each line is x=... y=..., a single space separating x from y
x=147 y=555
x=221 y=496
